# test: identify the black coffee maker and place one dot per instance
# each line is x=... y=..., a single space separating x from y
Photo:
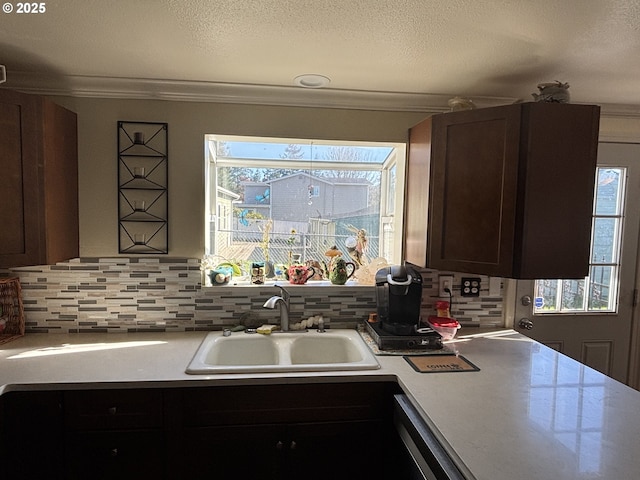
x=398 y=297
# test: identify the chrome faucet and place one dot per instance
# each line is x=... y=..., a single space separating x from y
x=283 y=301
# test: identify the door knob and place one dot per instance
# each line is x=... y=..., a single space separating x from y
x=526 y=300
x=525 y=323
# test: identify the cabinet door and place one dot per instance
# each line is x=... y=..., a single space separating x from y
x=417 y=192
x=474 y=174
x=243 y=451
x=19 y=182
x=38 y=181
x=31 y=435
x=335 y=450
x=560 y=147
x=122 y=454
x=60 y=206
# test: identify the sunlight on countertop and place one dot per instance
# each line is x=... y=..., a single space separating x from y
x=87 y=347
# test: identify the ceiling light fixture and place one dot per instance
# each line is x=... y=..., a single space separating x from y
x=311 y=80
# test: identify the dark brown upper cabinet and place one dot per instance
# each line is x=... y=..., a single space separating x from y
x=38 y=181
x=504 y=191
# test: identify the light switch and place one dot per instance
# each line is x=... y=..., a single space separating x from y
x=495 y=284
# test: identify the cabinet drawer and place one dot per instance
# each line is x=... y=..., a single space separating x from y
x=113 y=409
x=244 y=405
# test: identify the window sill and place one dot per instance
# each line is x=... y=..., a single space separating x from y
x=271 y=283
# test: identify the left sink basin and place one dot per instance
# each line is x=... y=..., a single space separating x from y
x=282 y=352
x=241 y=350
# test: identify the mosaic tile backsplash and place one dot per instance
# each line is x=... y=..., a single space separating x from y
x=166 y=294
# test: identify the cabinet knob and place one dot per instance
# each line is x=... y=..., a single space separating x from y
x=293 y=445
x=279 y=445
x=112 y=410
x=113 y=452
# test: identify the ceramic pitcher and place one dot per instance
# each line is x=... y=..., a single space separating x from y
x=340 y=271
x=299 y=274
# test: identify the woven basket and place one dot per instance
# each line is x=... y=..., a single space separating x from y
x=12 y=312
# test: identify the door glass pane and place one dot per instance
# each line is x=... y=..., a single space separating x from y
x=608 y=191
x=600 y=288
x=604 y=240
x=572 y=295
x=546 y=292
x=598 y=291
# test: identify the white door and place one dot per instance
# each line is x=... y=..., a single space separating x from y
x=591 y=320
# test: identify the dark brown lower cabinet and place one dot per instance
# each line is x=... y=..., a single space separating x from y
x=30 y=435
x=335 y=450
x=289 y=431
x=311 y=431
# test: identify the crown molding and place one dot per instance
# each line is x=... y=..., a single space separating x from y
x=618 y=110
x=248 y=94
x=195 y=91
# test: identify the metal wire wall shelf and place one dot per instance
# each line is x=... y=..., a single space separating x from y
x=143 y=187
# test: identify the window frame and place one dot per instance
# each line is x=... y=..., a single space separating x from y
x=392 y=193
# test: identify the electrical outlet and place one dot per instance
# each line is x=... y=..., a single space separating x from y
x=446 y=281
x=470 y=286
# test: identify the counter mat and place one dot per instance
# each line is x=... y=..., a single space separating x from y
x=441 y=364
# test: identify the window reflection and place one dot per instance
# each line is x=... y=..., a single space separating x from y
x=567 y=398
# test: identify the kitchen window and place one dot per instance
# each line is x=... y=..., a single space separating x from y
x=281 y=200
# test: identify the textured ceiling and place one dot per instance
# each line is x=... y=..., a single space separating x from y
x=473 y=48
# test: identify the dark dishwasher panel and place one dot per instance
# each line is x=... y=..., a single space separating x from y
x=430 y=461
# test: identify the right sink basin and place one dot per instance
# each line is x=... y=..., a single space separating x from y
x=282 y=352
x=324 y=349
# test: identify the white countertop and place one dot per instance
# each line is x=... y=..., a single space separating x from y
x=528 y=413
